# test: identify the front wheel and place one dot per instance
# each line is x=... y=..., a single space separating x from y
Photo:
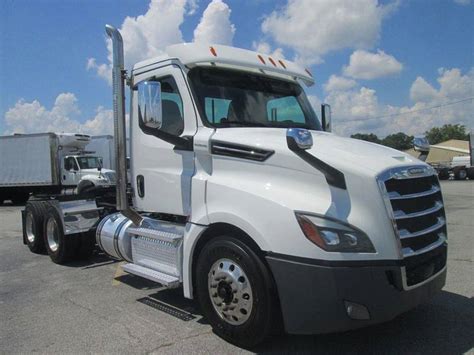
x=235 y=291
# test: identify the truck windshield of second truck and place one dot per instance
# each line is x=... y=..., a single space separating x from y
x=89 y=162
x=230 y=98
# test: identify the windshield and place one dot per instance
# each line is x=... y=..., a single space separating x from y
x=89 y=162
x=230 y=98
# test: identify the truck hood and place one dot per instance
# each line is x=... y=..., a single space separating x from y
x=96 y=172
x=345 y=154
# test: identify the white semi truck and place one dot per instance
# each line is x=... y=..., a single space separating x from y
x=244 y=199
x=48 y=163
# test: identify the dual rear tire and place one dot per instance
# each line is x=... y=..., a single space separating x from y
x=34 y=220
x=44 y=230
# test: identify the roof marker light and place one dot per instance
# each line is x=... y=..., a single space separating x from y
x=213 y=51
x=282 y=64
x=261 y=59
x=272 y=61
x=307 y=70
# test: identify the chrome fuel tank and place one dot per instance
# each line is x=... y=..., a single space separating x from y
x=113 y=238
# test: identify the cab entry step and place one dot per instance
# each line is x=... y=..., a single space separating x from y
x=153 y=275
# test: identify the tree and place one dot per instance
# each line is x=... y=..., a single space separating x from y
x=399 y=141
x=449 y=131
x=367 y=137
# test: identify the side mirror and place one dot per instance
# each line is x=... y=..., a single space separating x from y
x=421 y=145
x=149 y=103
x=326 y=117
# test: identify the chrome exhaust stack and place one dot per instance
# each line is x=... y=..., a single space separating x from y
x=118 y=92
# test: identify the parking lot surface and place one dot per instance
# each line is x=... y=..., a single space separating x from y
x=94 y=307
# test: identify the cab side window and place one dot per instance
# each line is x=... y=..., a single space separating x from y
x=69 y=164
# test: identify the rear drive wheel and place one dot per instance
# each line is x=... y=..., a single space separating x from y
x=61 y=248
x=34 y=217
x=460 y=174
x=235 y=291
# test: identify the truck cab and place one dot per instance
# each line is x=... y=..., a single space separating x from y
x=77 y=168
x=352 y=232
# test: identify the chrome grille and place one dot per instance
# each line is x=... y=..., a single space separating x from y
x=415 y=204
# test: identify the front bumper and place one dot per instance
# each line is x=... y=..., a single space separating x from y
x=314 y=294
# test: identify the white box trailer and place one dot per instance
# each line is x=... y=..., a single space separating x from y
x=47 y=163
x=29 y=160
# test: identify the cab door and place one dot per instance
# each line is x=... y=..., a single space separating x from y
x=161 y=169
x=70 y=171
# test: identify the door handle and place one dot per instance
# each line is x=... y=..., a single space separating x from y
x=141 y=185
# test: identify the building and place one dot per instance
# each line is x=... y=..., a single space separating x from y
x=445 y=151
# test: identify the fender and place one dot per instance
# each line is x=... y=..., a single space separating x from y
x=194 y=232
x=95 y=180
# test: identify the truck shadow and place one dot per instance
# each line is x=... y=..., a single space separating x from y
x=446 y=325
x=97 y=259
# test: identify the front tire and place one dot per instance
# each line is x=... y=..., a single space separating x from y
x=235 y=291
x=61 y=248
x=85 y=187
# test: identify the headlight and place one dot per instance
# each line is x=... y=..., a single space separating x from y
x=334 y=236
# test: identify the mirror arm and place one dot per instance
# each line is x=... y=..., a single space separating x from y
x=180 y=143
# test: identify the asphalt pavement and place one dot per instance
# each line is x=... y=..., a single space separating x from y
x=93 y=307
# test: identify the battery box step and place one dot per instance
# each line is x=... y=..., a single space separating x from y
x=166 y=280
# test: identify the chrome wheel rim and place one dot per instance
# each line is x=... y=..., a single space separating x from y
x=29 y=227
x=52 y=234
x=230 y=291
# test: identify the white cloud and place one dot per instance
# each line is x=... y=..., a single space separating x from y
x=215 y=26
x=339 y=83
x=313 y=28
x=422 y=91
x=462 y=2
x=367 y=65
x=265 y=48
x=353 y=108
x=145 y=36
x=33 y=117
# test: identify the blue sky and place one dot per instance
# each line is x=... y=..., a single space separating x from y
x=420 y=55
